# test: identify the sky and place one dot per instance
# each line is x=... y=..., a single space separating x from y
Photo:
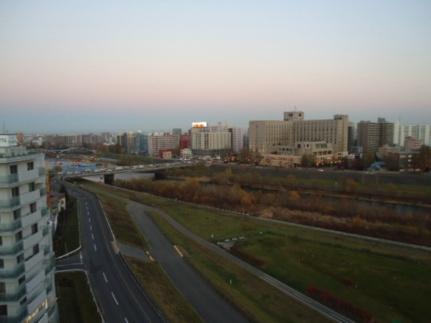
x=99 y=65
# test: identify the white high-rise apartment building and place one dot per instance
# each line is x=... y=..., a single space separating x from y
x=419 y=132
x=27 y=288
x=267 y=136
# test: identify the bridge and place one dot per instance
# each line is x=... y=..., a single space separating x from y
x=109 y=173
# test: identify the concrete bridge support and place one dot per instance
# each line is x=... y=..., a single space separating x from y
x=108 y=179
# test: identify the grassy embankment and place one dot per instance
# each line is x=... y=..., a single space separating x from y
x=151 y=275
x=355 y=276
x=255 y=298
x=75 y=302
x=67 y=234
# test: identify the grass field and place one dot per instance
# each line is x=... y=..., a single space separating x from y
x=75 y=302
x=67 y=233
x=256 y=299
x=157 y=284
x=390 y=283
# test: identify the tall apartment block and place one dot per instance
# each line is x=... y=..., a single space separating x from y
x=27 y=288
x=268 y=136
x=372 y=135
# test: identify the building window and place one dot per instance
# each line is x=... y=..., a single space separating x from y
x=33 y=207
x=2 y=288
x=3 y=310
x=21 y=280
x=35 y=249
x=13 y=169
x=18 y=236
x=16 y=214
x=1 y=240
x=34 y=228
x=20 y=259
x=30 y=166
x=23 y=301
x=15 y=191
x=31 y=187
x=1 y=263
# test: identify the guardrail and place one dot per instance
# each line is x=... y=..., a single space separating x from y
x=17 y=246
x=11 y=226
x=9 y=179
x=11 y=202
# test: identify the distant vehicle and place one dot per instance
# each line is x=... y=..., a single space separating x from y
x=321 y=170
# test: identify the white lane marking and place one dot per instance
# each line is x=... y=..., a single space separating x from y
x=89 y=220
x=178 y=251
x=115 y=299
x=91 y=227
x=104 y=277
x=95 y=247
x=125 y=320
x=92 y=236
x=80 y=257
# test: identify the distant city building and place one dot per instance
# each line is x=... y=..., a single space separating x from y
x=372 y=135
x=237 y=138
x=211 y=140
x=419 y=132
x=27 y=262
x=412 y=144
x=159 y=142
x=286 y=161
x=141 y=143
x=185 y=141
x=177 y=131
x=266 y=136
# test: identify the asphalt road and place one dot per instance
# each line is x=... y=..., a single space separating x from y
x=119 y=297
x=210 y=305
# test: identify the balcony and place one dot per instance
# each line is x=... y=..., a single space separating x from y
x=13 y=297
x=10 y=203
x=16 y=318
x=11 y=226
x=14 y=248
x=9 y=179
x=13 y=273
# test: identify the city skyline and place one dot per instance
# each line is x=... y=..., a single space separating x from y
x=153 y=66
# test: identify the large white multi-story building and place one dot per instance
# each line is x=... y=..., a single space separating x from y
x=27 y=288
x=211 y=140
x=267 y=136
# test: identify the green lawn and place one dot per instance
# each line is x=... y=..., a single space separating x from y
x=255 y=298
x=67 y=234
x=75 y=302
x=387 y=281
x=157 y=284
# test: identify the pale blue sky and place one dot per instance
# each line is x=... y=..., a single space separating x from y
x=100 y=65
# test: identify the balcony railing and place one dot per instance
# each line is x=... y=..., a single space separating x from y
x=13 y=273
x=12 y=297
x=9 y=179
x=17 y=318
x=11 y=226
x=16 y=247
x=11 y=202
